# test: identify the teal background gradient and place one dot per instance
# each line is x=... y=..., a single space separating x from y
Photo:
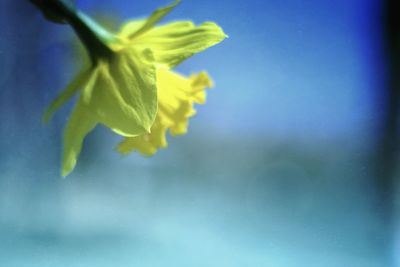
x=276 y=169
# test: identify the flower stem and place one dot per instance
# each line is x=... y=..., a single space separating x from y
x=95 y=38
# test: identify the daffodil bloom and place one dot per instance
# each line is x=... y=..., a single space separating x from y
x=129 y=86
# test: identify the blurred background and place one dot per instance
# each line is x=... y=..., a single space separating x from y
x=292 y=162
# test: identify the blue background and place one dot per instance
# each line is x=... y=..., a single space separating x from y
x=275 y=170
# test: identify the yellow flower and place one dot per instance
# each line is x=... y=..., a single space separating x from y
x=130 y=79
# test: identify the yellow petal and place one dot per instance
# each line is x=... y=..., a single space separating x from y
x=175 y=42
x=131 y=27
x=77 y=83
x=146 y=144
x=199 y=82
x=136 y=28
x=121 y=94
x=124 y=96
x=79 y=125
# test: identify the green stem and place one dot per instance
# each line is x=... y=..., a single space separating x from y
x=95 y=38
